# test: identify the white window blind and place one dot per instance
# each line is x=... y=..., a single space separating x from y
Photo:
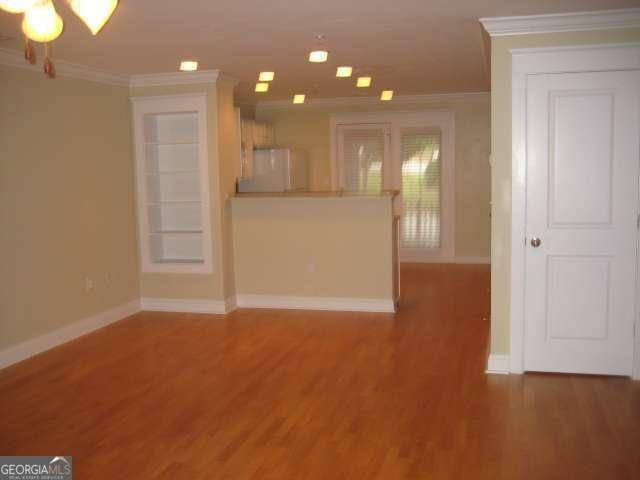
x=363 y=152
x=421 y=188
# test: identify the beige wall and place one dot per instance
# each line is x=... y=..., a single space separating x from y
x=297 y=246
x=229 y=155
x=223 y=145
x=66 y=202
x=501 y=154
x=307 y=128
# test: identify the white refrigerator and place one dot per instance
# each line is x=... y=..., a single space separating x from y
x=277 y=170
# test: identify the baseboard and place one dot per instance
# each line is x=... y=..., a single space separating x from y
x=473 y=260
x=32 y=347
x=498 y=364
x=186 y=305
x=316 y=303
x=230 y=304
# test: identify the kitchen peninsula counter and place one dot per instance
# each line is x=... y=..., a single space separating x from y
x=324 y=250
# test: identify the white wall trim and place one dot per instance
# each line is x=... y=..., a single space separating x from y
x=498 y=364
x=562 y=22
x=32 y=347
x=527 y=62
x=230 y=304
x=15 y=58
x=340 y=304
x=318 y=103
x=185 y=305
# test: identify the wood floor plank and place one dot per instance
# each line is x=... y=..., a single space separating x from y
x=273 y=394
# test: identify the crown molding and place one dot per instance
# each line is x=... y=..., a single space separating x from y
x=318 y=103
x=562 y=22
x=15 y=58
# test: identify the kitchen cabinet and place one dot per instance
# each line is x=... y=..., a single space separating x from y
x=253 y=135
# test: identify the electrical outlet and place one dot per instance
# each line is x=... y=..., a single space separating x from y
x=88 y=284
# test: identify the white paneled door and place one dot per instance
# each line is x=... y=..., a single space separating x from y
x=581 y=221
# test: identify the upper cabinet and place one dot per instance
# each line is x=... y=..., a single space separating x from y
x=171 y=153
x=253 y=135
x=262 y=135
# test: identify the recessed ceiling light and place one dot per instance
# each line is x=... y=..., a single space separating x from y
x=188 y=65
x=363 y=82
x=344 y=72
x=266 y=76
x=386 y=95
x=318 y=56
x=262 y=87
x=299 y=98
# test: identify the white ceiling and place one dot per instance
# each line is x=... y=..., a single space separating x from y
x=410 y=46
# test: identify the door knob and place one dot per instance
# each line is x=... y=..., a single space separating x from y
x=536 y=242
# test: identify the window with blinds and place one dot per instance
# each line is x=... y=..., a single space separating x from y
x=421 y=188
x=362 y=158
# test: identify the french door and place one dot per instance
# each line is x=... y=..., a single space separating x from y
x=406 y=153
x=364 y=151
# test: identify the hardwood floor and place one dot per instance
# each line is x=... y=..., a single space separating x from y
x=317 y=395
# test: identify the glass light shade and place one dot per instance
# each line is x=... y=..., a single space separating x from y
x=266 y=76
x=363 y=82
x=299 y=98
x=318 y=56
x=386 y=95
x=188 y=66
x=17 y=6
x=94 y=13
x=42 y=23
x=262 y=87
x=343 y=72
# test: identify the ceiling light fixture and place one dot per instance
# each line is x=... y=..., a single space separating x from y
x=17 y=6
x=41 y=22
x=363 y=82
x=344 y=72
x=266 y=76
x=188 y=66
x=94 y=13
x=386 y=95
x=262 y=87
x=299 y=98
x=319 y=54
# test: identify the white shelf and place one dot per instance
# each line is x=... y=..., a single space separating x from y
x=171 y=144
x=176 y=232
x=179 y=260
x=172 y=172
x=174 y=202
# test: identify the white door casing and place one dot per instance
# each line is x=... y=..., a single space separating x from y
x=582 y=192
x=527 y=64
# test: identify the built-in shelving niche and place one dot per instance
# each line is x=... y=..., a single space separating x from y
x=170 y=188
